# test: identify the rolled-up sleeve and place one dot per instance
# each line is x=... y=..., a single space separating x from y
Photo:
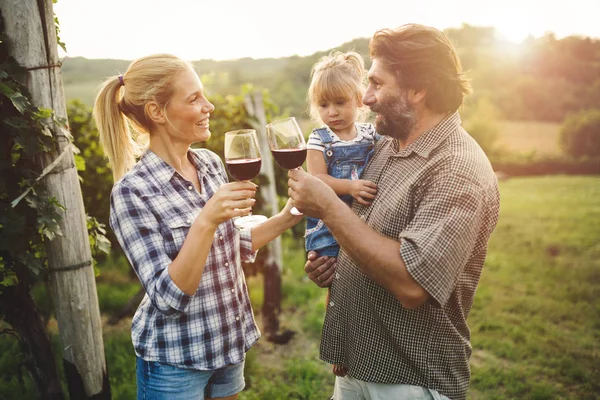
x=246 y=253
x=137 y=231
x=438 y=242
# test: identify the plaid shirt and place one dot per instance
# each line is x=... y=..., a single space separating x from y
x=152 y=209
x=439 y=198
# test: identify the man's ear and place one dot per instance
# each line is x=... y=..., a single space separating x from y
x=155 y=113
x=416 y=96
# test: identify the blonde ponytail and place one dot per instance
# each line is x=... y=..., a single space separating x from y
x=115 y=133
x=357 y=63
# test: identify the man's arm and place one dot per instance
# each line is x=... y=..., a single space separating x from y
x=377 y=256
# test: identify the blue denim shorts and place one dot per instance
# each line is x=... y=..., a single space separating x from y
x=157 y=381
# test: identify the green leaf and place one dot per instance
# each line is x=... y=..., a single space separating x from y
x=46 y=131
x=9 y=279
x=43 y=113
x=79 y=162
x=103 y=244
x=14 y=158
x=34 y=263
x=62 y=122
x=18 y=100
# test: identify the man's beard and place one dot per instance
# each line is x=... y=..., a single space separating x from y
x=396 y=117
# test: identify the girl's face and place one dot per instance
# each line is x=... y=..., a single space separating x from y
x=188 y=111
x=339 y=115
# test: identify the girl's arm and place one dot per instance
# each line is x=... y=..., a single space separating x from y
x=315 y=165
x=363 y=191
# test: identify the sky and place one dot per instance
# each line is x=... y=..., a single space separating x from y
x=231 y=29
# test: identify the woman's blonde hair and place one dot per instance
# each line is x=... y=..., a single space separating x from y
x=334 y=77
x=120 y=107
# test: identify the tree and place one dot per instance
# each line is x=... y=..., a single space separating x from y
x=59 y=239
x=481 y=122
x=94 y=171
x=580 y=134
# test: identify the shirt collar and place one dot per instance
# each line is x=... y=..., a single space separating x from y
x=432 y=138
x=163 y=172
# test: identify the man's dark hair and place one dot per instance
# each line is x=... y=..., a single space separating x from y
x=423 y=58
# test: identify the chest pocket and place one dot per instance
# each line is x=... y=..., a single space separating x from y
x=174 y=230
x=348 y=162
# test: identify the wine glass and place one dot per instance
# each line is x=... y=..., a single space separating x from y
x=243 y=160
x=287 y=145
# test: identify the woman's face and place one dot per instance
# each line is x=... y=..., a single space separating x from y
x=188 y=111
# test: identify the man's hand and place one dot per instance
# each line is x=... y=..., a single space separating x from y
x=320 y=270
x=311 y=195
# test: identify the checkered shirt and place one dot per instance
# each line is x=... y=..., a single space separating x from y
x=439 y=198
x=152 y=209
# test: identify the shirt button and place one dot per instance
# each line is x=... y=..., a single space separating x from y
x=227 y=264
x=189 y=221
x=190 y=187
x=337 y=276
x=331 y=303
x=220 y=237
x=237 y=318
x=232 y=290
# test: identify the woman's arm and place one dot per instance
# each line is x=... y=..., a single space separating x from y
x=274 y=226
x=231 y=200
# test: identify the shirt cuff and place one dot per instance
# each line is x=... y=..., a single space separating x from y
x=247 y=255
x=169 y=298
x=317 y=147
x=413 y=260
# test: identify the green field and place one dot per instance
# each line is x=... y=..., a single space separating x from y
x=535 y=322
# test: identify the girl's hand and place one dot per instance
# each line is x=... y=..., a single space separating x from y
x=363 y=191
x=231 y=200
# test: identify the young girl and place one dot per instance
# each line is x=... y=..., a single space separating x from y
x=339 y=151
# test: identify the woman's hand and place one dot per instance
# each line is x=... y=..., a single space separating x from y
x=294 y=219
x=233 y=199
x=363 y=191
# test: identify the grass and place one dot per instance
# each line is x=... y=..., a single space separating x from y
x=535 y=322
x=536 y=318
x=529 y=136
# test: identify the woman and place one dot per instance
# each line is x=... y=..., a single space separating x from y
x=172 y=214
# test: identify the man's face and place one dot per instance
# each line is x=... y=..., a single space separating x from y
x=396 y=116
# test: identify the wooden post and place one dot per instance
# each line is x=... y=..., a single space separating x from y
x=273 y=265
x=30 y=29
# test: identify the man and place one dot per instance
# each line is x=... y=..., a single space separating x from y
x=411 y=261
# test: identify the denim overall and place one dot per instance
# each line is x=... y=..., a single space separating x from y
x=343 y=162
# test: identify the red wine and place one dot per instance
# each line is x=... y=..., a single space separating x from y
x=244 y=169
x=289 y=158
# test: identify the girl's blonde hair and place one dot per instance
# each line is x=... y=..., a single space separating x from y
x=120 y=107
x=334 y=77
